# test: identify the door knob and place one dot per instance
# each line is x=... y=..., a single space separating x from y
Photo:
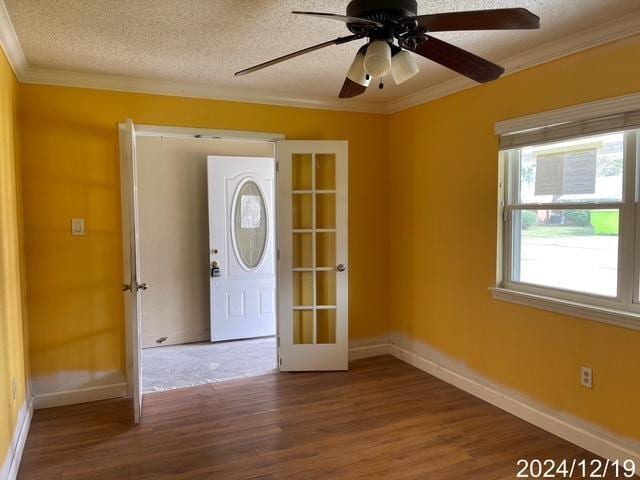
x=142 y=286
x=341 y=268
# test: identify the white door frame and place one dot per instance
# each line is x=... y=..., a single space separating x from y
x=126 y=206
x=313 y=356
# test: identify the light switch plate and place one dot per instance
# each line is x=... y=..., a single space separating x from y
x=77 y=226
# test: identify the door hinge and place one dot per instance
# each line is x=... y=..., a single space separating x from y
x=278 y=342
x=277 y=167
x=280 y=361
x=278 y=254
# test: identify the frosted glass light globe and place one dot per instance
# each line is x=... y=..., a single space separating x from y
x=403 y=67
x=377 y=61
x=357 y=73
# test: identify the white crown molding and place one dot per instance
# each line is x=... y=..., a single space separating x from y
x=10 y=44
x=608 y=32
x=601 y=34
x=191 y=90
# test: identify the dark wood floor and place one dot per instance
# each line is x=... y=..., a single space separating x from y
x=382 y=419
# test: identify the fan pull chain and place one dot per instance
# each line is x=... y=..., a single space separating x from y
x=381 y=85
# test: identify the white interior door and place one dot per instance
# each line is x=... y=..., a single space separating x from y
x=132 y=285
x=242 y=247
x=313 y=320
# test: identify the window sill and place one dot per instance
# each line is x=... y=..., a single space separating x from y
x=609 y=316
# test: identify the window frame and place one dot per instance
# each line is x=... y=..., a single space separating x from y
x=627 y=300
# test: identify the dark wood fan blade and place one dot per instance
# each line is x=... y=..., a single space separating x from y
x=340 y=18
x=458 y=60
x=337 y=41
x=498 y=19
x=351 y=89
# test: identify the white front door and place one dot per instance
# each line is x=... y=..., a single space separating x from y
x=242 y=267
x=313 y=316
x=132 y=284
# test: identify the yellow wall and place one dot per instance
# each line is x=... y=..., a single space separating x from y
x=71 y=169
x=13 y=362
x=444 y=161
x=422 y=196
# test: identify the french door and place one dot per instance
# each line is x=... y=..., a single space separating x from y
x=132 y=283
x=312 y=265
x=313 y=318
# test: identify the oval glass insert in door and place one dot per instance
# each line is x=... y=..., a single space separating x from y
x=249 y=233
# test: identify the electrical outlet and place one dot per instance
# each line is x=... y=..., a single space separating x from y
x=14 y=388
x=586 y=377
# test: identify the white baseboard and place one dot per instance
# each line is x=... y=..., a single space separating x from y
x=357 y=352
x=81 y=395
x=598 y=442
x=117 y=390
x=9 y=470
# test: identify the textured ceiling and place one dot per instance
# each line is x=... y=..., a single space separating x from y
x=206 y=41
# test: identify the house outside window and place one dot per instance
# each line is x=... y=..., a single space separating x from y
x=570 y=222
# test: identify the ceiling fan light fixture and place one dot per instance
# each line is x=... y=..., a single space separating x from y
x=391 y=26
x=357 y=73
x=377 y=61
x=403 y=67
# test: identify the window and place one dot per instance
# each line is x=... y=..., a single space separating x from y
x=249 y=234
x=570 y=218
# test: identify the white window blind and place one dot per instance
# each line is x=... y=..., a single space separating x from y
x=570 y=130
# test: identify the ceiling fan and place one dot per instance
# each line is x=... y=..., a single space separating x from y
x=394 y=28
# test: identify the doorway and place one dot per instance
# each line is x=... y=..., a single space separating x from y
x=208 y=313
x=310 y=240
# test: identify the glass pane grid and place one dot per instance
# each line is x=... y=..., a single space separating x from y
x=314 y=214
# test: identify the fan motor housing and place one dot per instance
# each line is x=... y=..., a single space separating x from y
x=382 y=10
